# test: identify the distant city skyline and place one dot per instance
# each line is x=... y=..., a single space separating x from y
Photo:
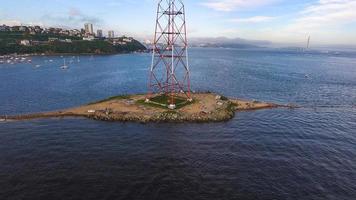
x=280 y=21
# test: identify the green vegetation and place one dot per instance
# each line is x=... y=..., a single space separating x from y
x=223 y=98
x=162 y=101
x=232 y=107
x=9 y=44
x=11 y=37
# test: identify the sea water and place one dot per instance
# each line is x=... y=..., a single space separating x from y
x=304 y=153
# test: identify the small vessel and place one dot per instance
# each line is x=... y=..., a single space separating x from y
x=37 y=66
x=64 y=66
x=78 y=60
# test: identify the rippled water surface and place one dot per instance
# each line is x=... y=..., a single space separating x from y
x=307 y=153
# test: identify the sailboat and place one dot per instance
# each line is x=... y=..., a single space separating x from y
x=78 y=60
x=308 y=42
x=64 y=66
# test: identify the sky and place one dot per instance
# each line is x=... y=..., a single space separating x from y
x=328 y=22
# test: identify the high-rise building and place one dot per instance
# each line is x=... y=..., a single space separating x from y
x=89 y=28
x=111 y=34
x=99 y=33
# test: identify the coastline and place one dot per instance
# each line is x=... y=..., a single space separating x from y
x=206 y=107
x=68 y=54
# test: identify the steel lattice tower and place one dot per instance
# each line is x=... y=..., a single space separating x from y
x=169 y=72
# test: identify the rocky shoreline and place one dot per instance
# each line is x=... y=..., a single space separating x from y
x=207 y=107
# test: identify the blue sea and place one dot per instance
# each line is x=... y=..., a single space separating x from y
x=304 y=153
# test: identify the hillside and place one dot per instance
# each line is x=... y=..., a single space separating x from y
x=24 y=43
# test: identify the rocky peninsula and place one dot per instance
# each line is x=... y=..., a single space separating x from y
x=205 y=107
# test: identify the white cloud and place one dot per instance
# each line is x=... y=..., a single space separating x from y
x=255 y=19
x=10 y=22
x=325 y=14
x=230 y=5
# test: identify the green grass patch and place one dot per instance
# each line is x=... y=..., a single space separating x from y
x=162 y=101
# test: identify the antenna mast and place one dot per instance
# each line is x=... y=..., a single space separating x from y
x=169 y=72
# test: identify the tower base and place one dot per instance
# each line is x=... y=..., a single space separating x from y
x=172 y=106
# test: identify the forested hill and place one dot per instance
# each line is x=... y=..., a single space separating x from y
x=24 y=43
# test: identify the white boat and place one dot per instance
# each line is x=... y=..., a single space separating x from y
x=37 y=66
x=64 y=66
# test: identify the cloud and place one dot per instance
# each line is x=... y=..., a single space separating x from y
x=73 y=18
x=74 y=12
x=10 y=22
x=230 y=5
x=255 y=19
x=325 y=14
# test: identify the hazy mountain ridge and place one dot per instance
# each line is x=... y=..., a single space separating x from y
x=225 y=42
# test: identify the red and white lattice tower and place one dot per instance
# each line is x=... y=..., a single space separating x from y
x=169 y=72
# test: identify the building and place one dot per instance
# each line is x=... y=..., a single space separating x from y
x=25 y=43
x=52 y=39
x=23 y=28
x=111 y=34
x=89 y=38
x=127 y=40
x=117 y=41
x=4 y=28
x=99 y=33
x=89 y=28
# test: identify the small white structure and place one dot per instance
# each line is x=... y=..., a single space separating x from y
x=89 y=38
x=25 y=42
x=127 y=40
x=172 y=106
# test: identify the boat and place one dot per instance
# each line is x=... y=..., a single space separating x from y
x=37 y=66
x=64 y=66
